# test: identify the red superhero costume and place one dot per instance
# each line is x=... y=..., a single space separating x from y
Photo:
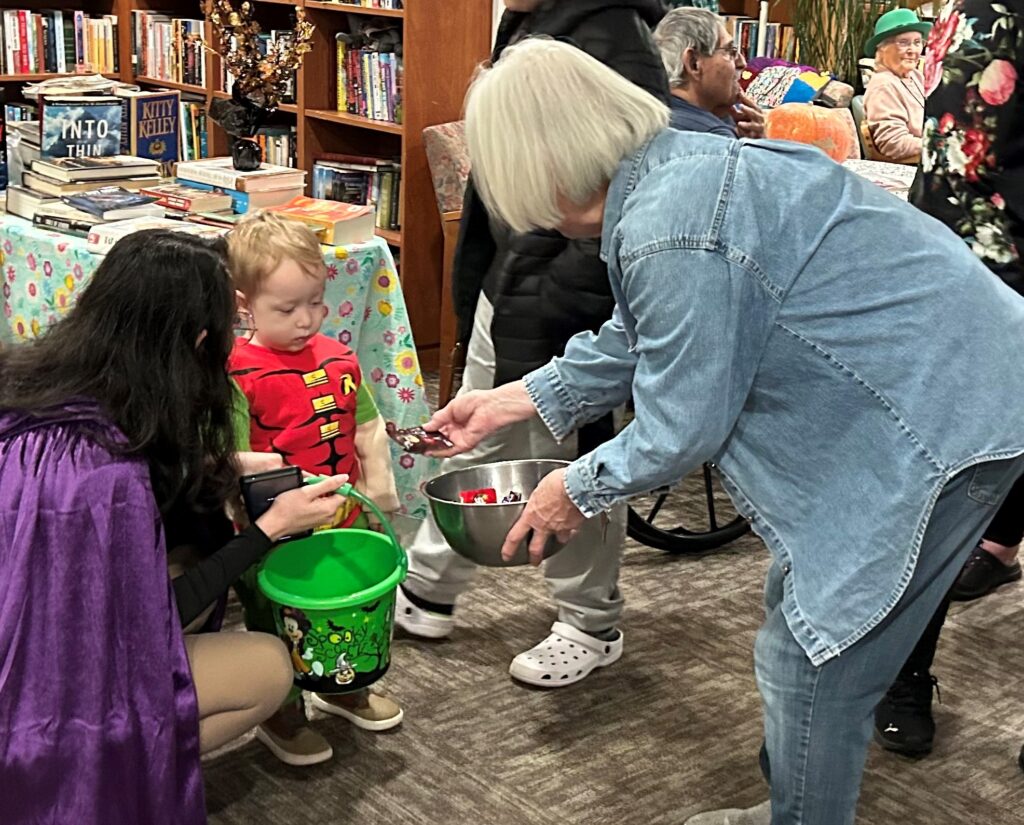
x=304 y=405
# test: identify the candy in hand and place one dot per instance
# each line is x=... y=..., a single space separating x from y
x=416 y=439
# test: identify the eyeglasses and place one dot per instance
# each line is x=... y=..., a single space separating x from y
x=732 y=50
x=243 y=326
x=906 y=45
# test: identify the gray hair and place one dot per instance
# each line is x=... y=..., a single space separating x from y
x=550 y=121
x=686 y=28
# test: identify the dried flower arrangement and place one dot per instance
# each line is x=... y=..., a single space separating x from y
x=259 y=78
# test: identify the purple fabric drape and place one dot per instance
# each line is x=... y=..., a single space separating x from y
x=98 y=716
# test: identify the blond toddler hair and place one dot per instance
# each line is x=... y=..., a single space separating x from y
x=261 y=241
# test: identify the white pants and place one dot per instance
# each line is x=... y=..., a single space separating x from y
x=583 y=576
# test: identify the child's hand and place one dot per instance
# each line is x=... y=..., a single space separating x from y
x=250 y=463
x=304 y=508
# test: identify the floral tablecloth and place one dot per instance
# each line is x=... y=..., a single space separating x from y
x=44 y=271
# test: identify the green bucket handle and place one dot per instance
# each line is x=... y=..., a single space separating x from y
x=348 y=490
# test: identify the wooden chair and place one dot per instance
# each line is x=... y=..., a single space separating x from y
x=447 y=156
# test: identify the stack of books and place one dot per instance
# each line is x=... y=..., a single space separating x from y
x=269 y=185
x=49 y=187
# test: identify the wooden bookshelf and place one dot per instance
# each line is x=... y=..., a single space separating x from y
x=779 y=11
x=439 y=57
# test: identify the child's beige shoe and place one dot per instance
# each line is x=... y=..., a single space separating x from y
x=364 y=709
x=287 y=735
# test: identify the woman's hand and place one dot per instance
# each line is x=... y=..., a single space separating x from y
x=471 y=417
x=302 y=509
x=549 y=510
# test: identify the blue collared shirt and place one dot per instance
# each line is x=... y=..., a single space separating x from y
x=837 y=353
x=689 y=118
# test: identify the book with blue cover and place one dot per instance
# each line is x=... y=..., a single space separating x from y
x=80 y=127
x=112 y=203
x=151 y=127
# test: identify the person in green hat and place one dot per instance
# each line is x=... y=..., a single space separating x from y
x=894 y=98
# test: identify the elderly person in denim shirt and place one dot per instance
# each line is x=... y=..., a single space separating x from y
x=815 y=361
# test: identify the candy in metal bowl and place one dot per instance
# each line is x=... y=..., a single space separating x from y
x=477 y=531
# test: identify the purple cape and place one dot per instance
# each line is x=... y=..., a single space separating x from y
x=98 y=716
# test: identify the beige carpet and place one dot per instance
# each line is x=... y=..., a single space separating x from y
x=671 y=729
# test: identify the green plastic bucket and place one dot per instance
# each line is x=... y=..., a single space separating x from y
x=334 y=603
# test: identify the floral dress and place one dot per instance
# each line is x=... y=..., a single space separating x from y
x=972 y=164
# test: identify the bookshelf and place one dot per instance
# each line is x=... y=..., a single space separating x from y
x=779 y=11
x=439 y=57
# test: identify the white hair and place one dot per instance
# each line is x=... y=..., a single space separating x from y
x=686 y=28
x=549 y=120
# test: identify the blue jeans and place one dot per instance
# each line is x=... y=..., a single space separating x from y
x=818 y=720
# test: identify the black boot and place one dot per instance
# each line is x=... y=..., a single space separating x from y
x=1020 y=759
x=903 y=719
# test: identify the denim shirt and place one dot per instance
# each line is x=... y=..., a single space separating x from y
x=837 y=353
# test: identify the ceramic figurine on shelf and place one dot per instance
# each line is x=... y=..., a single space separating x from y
x=262 y=74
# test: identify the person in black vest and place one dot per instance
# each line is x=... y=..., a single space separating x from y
x=518 y=299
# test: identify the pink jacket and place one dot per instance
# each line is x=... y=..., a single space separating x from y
x=894 y=111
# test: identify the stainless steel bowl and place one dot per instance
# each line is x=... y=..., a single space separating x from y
x=477 y=531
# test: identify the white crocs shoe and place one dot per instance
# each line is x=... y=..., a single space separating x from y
x=419 y=622
x=564 y=658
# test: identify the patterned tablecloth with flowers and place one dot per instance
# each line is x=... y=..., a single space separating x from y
x=44 y=271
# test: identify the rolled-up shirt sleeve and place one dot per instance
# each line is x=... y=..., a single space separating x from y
x=701 y=325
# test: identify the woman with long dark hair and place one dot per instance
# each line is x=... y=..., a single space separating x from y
x=117 y=420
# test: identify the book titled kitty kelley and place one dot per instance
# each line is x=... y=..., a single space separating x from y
x=151 y=126
x=80 y=127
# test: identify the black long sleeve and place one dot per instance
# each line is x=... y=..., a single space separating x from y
x=200 y=586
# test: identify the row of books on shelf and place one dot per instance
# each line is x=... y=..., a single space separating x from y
x=762 y=39
x=360 y=180
x=369 y=79
x=267 y=43
x=370 y=4
x=49 y=41
x=168 y=48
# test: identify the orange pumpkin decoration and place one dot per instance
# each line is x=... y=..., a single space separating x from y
x=831 y=130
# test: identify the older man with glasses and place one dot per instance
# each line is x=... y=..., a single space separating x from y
x=894 y=98
x=703 y=65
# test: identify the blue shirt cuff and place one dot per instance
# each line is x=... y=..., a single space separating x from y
x=556 y=406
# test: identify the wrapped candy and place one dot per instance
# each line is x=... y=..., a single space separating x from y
x=485 y=495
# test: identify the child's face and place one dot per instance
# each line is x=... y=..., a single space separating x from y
x=288 y=309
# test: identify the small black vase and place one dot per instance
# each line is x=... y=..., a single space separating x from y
x=241 y=118
x=246 y=155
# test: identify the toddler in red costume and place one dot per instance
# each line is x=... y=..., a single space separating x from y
x=307 y=403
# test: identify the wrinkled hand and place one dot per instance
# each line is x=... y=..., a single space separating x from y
x=303 y=508
x=250 y=463
x=471 y=417
x=749 y=117
x=549 y=511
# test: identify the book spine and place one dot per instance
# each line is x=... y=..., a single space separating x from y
x=79 y=41
x=239 y=200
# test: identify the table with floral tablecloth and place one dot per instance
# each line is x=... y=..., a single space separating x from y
x=44 y=271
